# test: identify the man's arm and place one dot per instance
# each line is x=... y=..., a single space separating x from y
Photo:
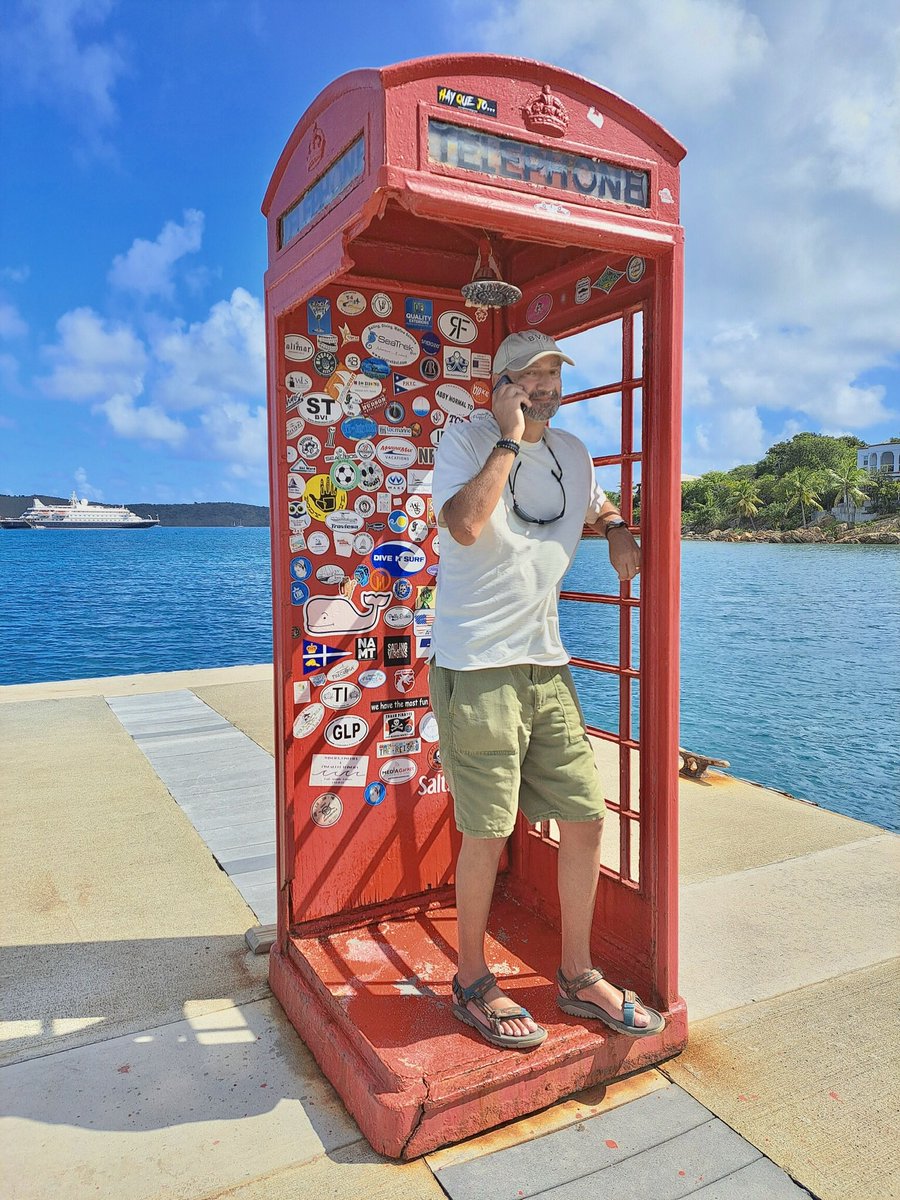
x=467 y=513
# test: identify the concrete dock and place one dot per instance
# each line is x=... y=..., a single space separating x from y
x=144 y=1057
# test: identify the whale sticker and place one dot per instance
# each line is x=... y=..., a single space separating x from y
x=333 y=615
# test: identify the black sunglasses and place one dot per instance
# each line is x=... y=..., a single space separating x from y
x=557 y=475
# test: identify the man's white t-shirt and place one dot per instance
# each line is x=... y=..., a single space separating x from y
x=497 y=599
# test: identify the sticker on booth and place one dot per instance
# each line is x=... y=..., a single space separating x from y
x=343 y=670
x=339 y=770
x=466 y=101
x=539 y=309
x=308 y=720
x=298 y=348
x=430 y=368
x=328 y=616
x=405 y=383
x=454 y=400
x=298 y=382
x=397 y=652
x=299 y=593
x=398 y=725
x=634 y=269
x=607 y=280
x=399 y=770
x=418 y=313
x=457 y=362
x=322 y=497
x=340 y=695
x=457 y=327
x=398 y=558
x=318 y=315
x=382 y=304
x=404 y=680
x=583 y=289
x=319 y=408
x=316 y=655
x=367 y=651
x=396 y=453
x=347 y=337
x=397 y=749
x=375 y=793
x=326 y=810
x=391 y=343
x=351 y=303
x=346 y=731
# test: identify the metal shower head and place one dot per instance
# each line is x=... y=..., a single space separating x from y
x=487 y=289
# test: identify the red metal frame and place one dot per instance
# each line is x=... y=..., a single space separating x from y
x=365 y=914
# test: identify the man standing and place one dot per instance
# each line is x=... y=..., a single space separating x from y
x=513 y=495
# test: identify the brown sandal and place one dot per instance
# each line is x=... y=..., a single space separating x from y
x=475 y=993
x=586 y=1008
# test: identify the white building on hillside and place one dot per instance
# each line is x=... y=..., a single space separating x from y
x=883 y=457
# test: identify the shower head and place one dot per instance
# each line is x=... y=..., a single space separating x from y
x=487 y=288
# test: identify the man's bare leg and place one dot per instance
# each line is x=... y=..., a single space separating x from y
x=476 y=873
x=579 y=870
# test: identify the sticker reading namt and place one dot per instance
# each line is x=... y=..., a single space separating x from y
x=326 y=809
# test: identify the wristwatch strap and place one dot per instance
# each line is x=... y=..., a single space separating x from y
x=507 y=444
x=614 y=524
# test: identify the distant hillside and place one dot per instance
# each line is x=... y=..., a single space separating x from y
x=223 y=513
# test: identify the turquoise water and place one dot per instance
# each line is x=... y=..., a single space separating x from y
x=789 y=660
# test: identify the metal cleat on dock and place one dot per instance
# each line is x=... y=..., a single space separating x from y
x=694 y=765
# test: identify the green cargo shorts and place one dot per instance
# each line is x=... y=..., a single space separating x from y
x=514 y=738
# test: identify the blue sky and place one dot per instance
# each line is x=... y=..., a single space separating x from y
x=138 y=139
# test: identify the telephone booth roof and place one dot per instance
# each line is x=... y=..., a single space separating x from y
x=398 y=171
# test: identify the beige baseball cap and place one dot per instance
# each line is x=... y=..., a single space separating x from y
x=520 y=350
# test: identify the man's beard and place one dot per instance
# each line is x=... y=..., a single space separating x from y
x=542 y=408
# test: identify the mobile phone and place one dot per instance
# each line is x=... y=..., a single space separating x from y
x=500 y=382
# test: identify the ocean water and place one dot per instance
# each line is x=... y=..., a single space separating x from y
x=789 y=653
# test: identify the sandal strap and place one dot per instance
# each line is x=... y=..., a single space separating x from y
x=475 y=991
x=572 y=986
x=506 y=1014
x=629 y=1000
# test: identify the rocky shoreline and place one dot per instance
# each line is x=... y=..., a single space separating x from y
x=841 y=535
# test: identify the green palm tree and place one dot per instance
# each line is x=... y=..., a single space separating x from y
x=851 y=482
x=800 y=488
x=745 y=499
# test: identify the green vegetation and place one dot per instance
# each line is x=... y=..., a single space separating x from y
x=792 y=484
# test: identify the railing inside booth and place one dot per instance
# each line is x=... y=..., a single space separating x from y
x=629 y=387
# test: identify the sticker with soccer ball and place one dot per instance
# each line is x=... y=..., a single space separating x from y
x=345 y=474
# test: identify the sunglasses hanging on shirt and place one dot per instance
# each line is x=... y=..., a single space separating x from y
x=557 y=475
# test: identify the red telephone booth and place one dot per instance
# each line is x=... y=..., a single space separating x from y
x=387 y=189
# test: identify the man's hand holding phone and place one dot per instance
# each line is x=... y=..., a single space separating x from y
x=508 y=402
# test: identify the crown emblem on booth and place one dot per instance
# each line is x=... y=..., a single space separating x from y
x=316 y=148
x=546 y=113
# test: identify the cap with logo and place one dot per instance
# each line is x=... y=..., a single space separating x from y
x=520 y=350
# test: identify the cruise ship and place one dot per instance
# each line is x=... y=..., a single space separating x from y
x=77 y=514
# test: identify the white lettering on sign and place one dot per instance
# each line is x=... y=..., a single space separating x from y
x=339 y=770
x=346 y=731
x=431 y=784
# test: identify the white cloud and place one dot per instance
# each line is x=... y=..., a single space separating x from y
x=47 y=56
x=147 y=267
x=147 y=422
x=11 y=323
x=15 y=274
x=213 y=361
x=238 y=434
x=94 y=357
x=680 y=56
x=84 y=487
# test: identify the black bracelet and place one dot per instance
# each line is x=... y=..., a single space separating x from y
x=507 y=444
